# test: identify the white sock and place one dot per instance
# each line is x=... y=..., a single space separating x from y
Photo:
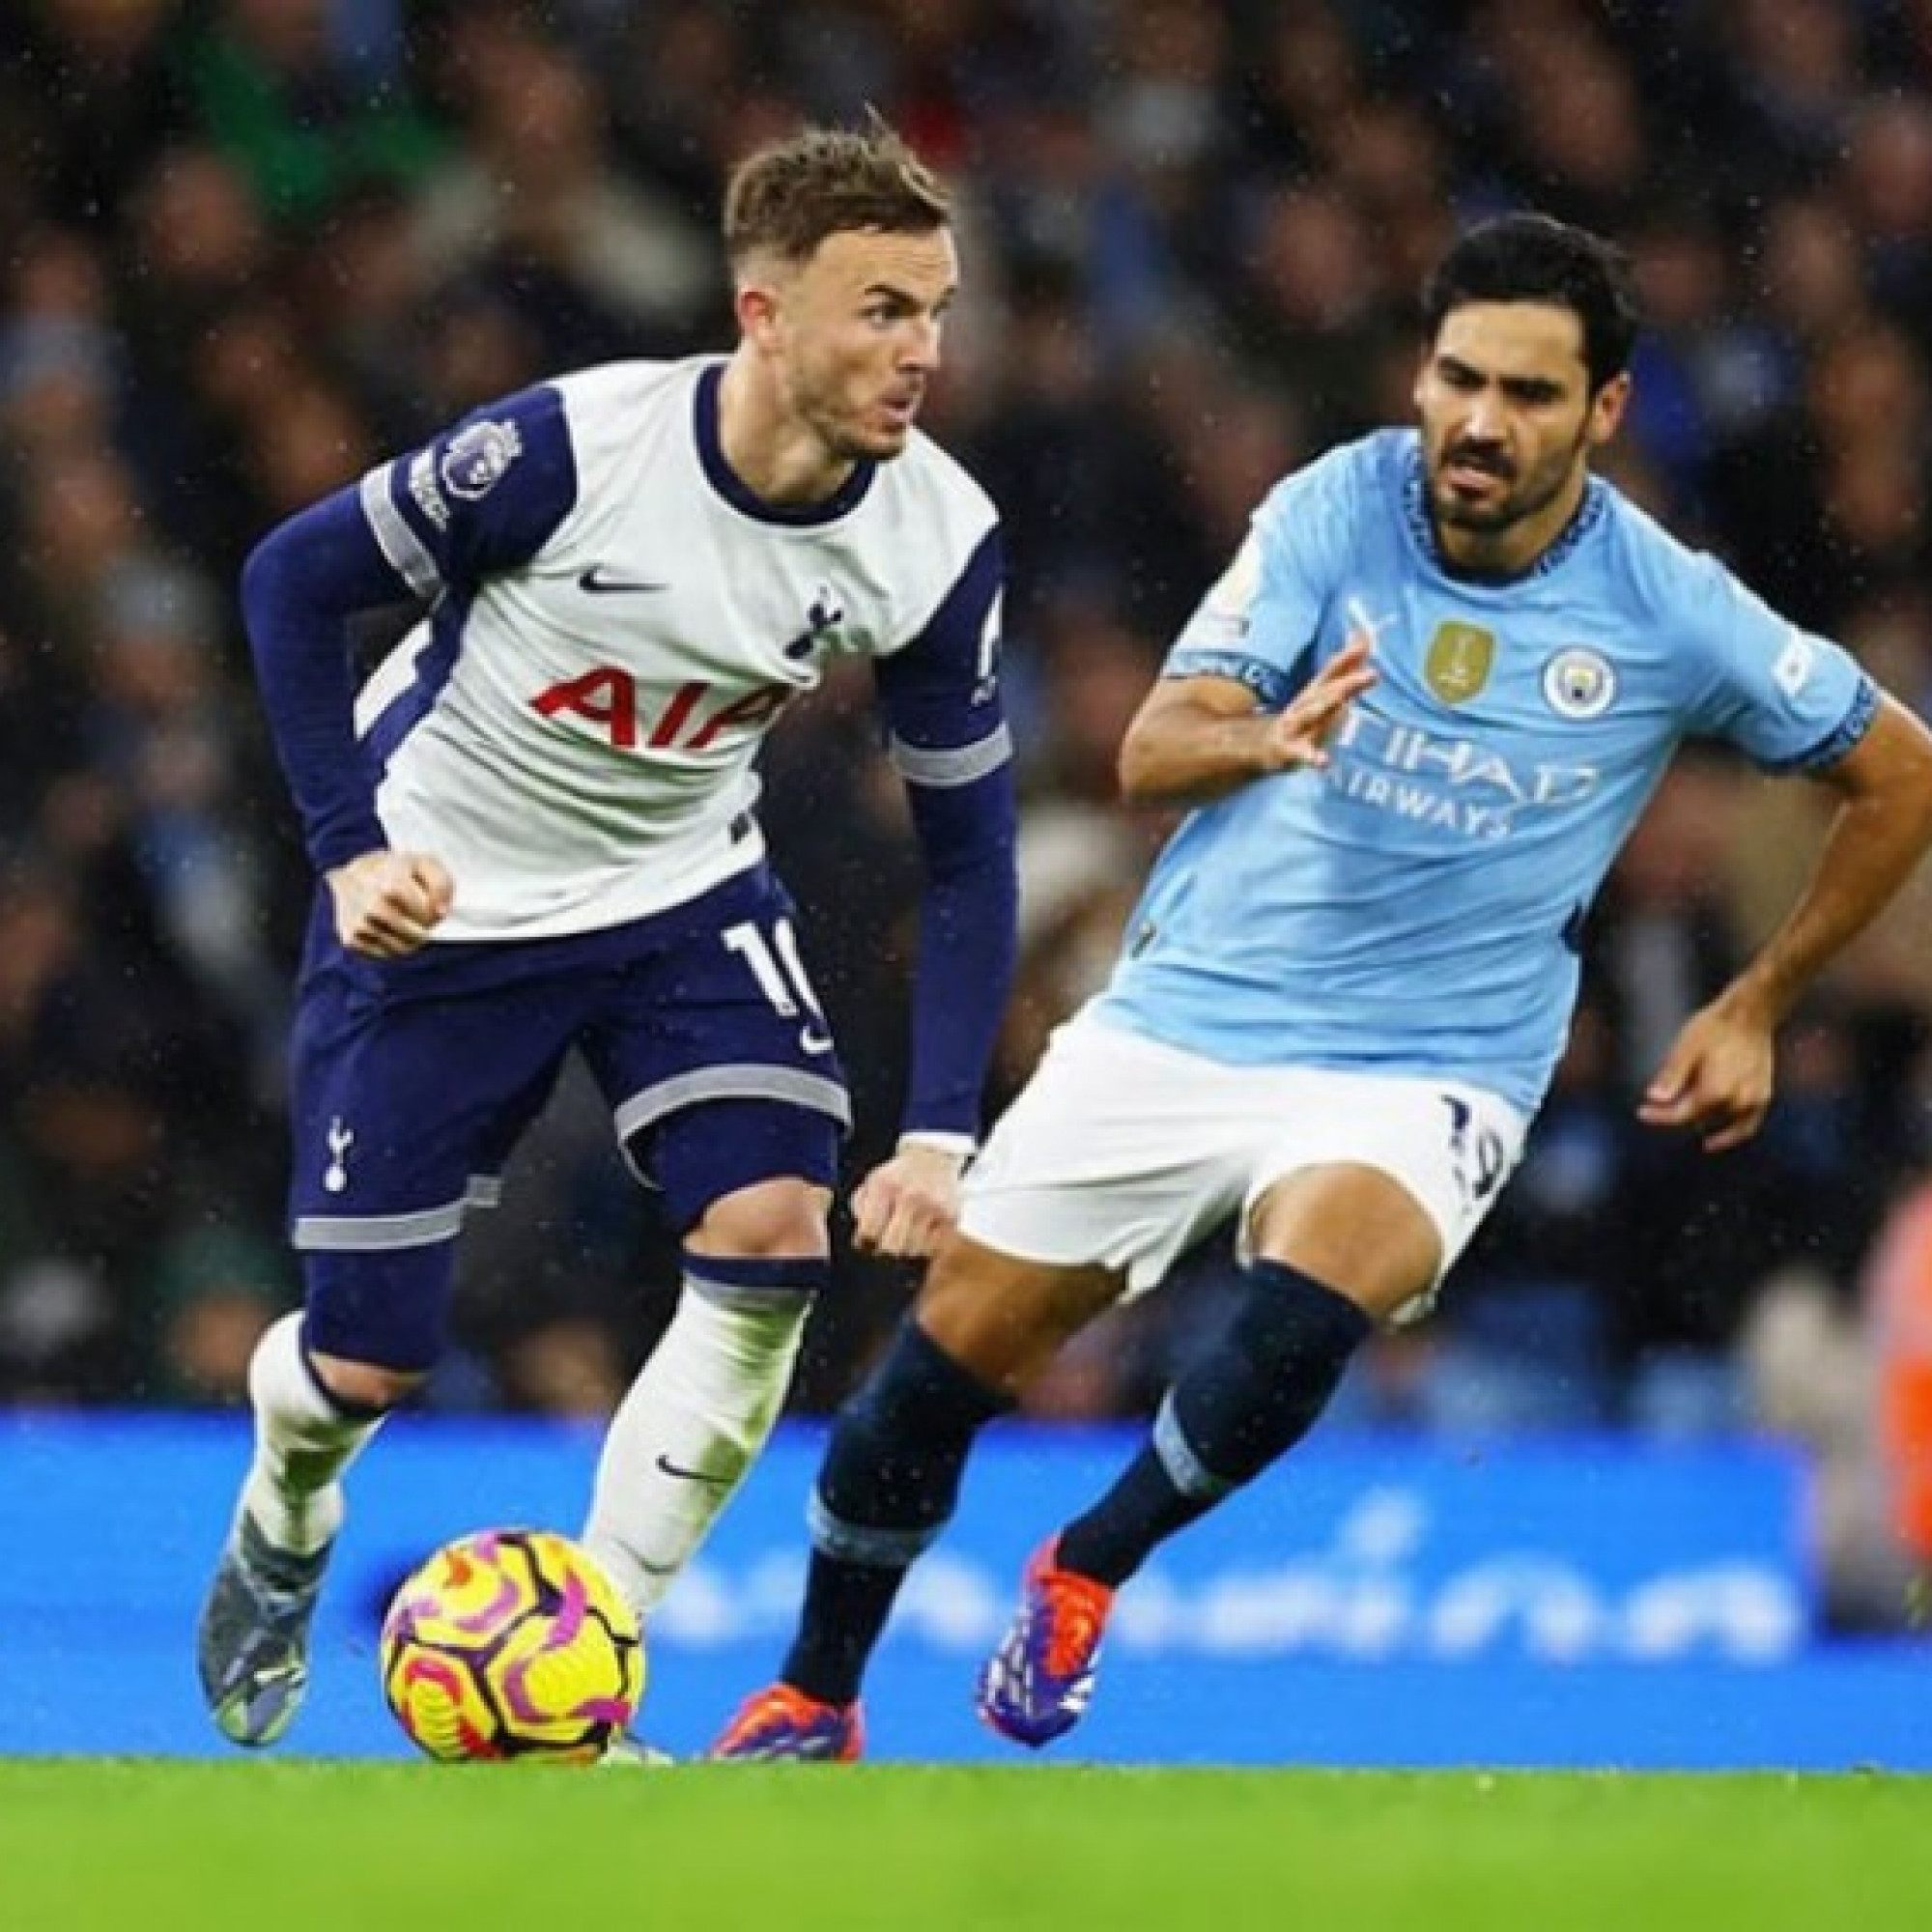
x=704 y=1403
x=303 y=1444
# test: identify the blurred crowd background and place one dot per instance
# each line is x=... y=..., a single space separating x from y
x=253 y=245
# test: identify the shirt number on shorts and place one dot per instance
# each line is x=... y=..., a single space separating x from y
x=1476 y=1153
x=781 y=976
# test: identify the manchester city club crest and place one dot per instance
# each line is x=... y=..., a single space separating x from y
x=1459 y=662
x=476 y=458
x=1578 y=683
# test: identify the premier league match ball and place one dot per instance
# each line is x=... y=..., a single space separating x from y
x=512 y=1643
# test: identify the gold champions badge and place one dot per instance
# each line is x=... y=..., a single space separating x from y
x=1458 y=662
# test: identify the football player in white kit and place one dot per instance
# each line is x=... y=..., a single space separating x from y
x=535 y=833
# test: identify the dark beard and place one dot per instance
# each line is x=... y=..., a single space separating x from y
x=1451 y=514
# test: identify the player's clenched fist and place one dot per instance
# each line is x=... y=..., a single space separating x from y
x=388 y=903
x=905 y=1204
x=1298 y=734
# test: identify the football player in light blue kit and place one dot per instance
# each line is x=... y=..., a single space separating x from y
x=1415 y=719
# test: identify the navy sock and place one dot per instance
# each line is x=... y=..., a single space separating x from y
x=887 y=1486
x=1247 y=1400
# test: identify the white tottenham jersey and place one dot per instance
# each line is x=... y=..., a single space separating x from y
x=615 y=623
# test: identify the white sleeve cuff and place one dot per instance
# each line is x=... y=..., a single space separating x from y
x=964 y=1145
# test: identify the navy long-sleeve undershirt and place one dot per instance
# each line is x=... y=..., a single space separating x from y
x=302 y=587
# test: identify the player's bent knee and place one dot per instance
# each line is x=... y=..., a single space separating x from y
x=1356 y=1229
x=363 y=1385
x=781 y=1218
x=743 y=1177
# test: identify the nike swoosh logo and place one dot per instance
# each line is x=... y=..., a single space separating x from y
x=685 y=1475
x=599 y=582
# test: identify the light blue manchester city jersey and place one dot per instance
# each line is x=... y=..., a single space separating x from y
x=1416 y=907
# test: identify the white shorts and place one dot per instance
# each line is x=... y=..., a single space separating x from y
x=1124 y=1151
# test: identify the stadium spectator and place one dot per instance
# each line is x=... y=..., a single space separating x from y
x=212 y=1293
x=284 y=91
x=535 y=205
x=91 y=93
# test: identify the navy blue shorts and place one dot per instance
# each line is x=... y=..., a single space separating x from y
x=414 y=1080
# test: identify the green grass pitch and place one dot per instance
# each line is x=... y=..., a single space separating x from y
x=285 y=1846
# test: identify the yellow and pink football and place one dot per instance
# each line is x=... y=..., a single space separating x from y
x=512 y=1643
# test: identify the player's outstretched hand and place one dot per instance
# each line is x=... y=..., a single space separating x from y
x=1716 y=1079
x=1298 y=733
x=906 y=1204
x=388 y=903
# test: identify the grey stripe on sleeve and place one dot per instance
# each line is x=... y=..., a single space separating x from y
x=399 y=543
x=951 y=765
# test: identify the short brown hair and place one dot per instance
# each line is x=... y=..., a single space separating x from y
x=790 y=195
